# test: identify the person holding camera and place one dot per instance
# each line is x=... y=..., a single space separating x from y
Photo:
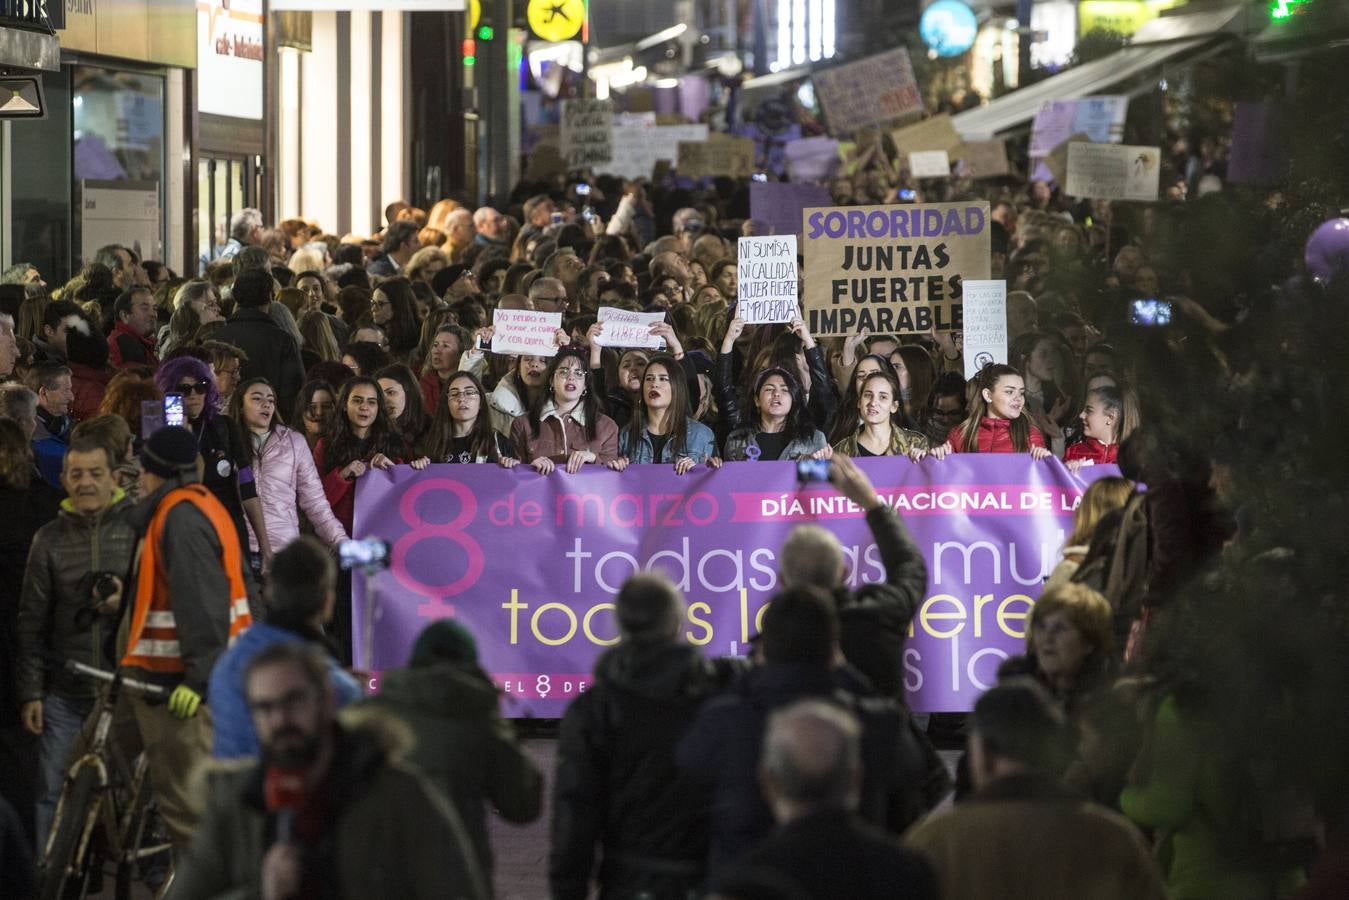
x=71 y=595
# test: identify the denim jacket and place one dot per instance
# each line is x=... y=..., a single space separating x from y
x=699 y=446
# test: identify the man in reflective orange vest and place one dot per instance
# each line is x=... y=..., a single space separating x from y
x=189 y=601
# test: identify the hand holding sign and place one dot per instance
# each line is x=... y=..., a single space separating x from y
x=766 y=275
x=623 y=328
x=525 y=332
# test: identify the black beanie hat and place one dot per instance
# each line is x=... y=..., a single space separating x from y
x=170 y=452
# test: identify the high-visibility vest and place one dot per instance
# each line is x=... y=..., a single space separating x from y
x=153 y=642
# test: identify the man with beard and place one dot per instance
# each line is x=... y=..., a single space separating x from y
x=328 y=811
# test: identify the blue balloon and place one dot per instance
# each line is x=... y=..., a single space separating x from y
x=948 y=27
x=1327 y=250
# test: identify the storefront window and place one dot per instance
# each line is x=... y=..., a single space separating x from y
x=118 y=140
x=40 y=185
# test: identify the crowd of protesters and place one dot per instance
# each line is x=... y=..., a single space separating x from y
x=200 y=556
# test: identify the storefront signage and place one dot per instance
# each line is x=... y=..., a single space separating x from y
x=1120 y=16
x=41 y=14
x=229 y=58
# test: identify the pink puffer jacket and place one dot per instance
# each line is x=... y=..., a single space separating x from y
x=288 y=483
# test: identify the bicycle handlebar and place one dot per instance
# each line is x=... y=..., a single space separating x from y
x=78 y=668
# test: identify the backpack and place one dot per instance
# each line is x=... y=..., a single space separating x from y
x=1116 y=564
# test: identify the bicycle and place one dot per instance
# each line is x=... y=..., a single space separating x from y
x=101 y=789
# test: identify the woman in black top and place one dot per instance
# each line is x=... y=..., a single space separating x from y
x=227 y=464
x=461 y=428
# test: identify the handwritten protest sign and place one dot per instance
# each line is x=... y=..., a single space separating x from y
x=985 y=324
x=929 y=164
x=984 y=159
x=624 y=328
x=779 y=204
x=936 y=133
x=525 y=332
x=587 y=133
x=811 y=159
x=872 y=91
x=1113 y=172
x=766 y=275
x=720 y=154
x=892 y=269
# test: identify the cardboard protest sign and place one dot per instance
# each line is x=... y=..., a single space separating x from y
x=984 y=159
x=872 y=91
x=779 y=204
x=766 y=275
x=587 y=133
x=525 y=332
x=624 y=328
x=545 y=162
x=1113 y=172
x=638 y=145
x=720 y=154
x=985 y=324
x=936 y=133
x=892 y=269
x=929 y=164
x=1057 y=160
x=811 y=159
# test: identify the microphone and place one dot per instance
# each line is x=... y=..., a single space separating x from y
x=284 y=794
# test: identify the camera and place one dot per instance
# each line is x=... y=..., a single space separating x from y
x=98 y=587
x=811 y=470
x=583 y=190
x=368 y=554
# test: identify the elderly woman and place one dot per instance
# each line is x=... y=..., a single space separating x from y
x=1068 y=645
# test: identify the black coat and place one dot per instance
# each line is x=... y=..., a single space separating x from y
x=831 y=854
x=617 y=784
x=25 y=512
x=272 y=353
x=723 y=748
x=874 y=619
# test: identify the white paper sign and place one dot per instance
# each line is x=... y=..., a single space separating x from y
x=637 y=145
x=624 y=328
x=766 y=275
x=1113 y=172
x=587 y=133
x=985 y=310
x=525 y=332
x=929 y=164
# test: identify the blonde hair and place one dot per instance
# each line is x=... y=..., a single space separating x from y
x=1085 y=609
x=1102 y=497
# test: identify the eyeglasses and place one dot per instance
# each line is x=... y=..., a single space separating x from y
x=194 y=387
x=376 y=304
x=571 y=373
x=467 y=394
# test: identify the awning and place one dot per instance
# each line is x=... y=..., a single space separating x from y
x=1160 y=41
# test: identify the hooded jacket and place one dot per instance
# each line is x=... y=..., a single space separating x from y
x=389 y=832
x=65 y=556
x=1092 y=449
x=464 y=746
x=618 y=788
x=288 y=483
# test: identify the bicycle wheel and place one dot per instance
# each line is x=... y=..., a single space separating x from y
x=72 y=816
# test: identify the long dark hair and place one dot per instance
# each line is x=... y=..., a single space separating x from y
x=798 y=425
x=236 y=412
x=679 y=406
x=590 y=404
x=845 y=419
x=922 y=376
x=481 y=438
x=403 y=330
x=304 y=398
x=987 y=380
x=341 y=446
x=414 y=421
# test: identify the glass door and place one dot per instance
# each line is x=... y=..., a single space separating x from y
x=225 y=185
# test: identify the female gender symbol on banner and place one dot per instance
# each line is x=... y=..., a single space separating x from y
x=452 y=531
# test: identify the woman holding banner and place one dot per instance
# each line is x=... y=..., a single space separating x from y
x=779 y=427
x=360 y=438
x=564 y=423
x=662 y=428
x=461 y=427
x=847 y=420
x=996 y=422
x=880 y=433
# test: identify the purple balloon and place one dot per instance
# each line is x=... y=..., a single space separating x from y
x=1328 y=250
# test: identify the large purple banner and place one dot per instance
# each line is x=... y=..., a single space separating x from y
x=530 y=563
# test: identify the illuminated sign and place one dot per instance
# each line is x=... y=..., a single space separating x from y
x=556 y=20
x=948 y=27
x=1120 y=16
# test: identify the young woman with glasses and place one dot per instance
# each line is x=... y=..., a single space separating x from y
x=227 y=463
x=461 y=427
x=564 y=423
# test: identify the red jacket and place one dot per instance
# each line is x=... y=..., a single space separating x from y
x=430 y=384
x=1092 y=449
x=89 y=385
x=995 y=436
x=127 y=348
x=340 y=492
